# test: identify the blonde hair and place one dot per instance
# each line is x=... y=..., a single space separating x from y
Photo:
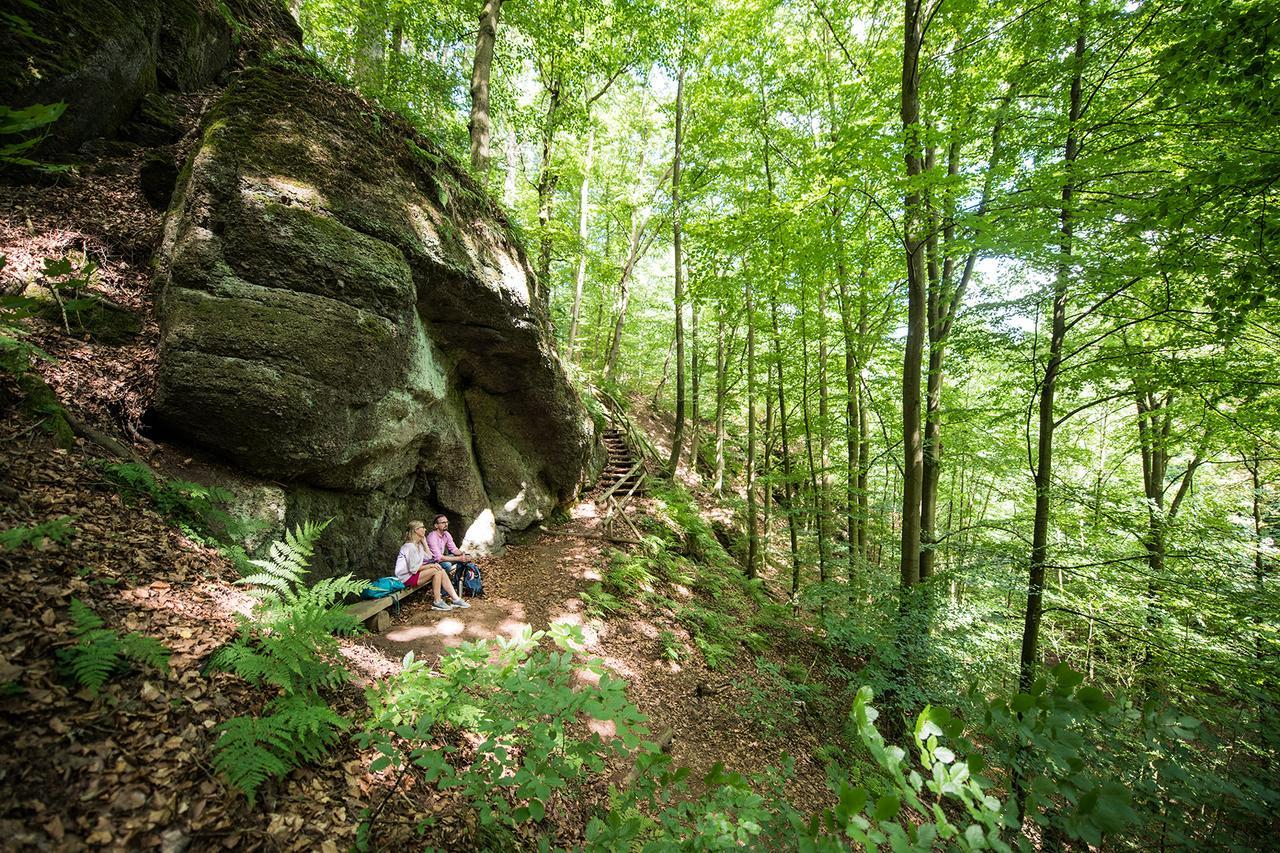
x=413 y=528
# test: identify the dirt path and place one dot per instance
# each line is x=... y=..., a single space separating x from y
x=540 y=581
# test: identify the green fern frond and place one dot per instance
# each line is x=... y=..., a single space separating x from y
x=83 y=618
x=298 y=729
x=240 y=755
x=92 y=660
x=147 y=651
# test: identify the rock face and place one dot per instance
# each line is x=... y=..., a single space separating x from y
x=105 y=57
x=342 y=311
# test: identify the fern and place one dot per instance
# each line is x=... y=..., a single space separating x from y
x=197 y=508
x=101 y=652
x=57 y=529
x=289 y=644
x=250 y=750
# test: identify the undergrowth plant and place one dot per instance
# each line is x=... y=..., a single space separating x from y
x=30 y=125
x=524 y=705
x=100 y=652
x=287 y=644
x=197 y=509
x=55 y=529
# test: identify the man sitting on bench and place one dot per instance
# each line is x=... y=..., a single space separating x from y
x=445 y=552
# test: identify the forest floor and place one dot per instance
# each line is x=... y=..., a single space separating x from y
x=129 y=766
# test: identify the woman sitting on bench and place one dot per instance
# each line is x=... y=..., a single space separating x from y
x=414 y=567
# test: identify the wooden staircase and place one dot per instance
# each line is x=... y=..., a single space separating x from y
x=621 y=475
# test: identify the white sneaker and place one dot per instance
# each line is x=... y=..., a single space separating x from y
x=441 y=605
x=460 y=604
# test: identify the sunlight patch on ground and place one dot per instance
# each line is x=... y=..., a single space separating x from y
x=592 y=574
x=605 y=728
x=586 y=509
x=584 y=675
x=444 y=628
x=619 y=666
x=645 y=628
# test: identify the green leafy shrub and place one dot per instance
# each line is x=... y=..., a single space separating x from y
x=31 y=125
x=672 y=648
x=57 y=529
x=599 y=602
x=100 y=652
x=523 y=704
x=288 y=643
x=627 y=575
x=198 y=509
x=771 y=700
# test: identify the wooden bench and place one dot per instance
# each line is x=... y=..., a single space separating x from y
x=373 y=611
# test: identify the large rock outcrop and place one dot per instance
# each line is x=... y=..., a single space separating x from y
x=103 y=58
x=343 y=311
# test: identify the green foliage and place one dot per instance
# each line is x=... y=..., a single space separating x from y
x=524 y=705
x=197 y=508
x=16 y=355
x=57 y=529
x=713 y=633
x=770 y=700
x=293 y=729
x=599 y=602
x=100 y=652
x=672 y=648
x=288 y=644
x=32 y=125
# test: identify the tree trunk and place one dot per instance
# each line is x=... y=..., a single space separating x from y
x=788 y=489
x=624 y=297
x=579 y=280
x=722 y=382
x=371 y=46
x=677 y=435
x=809 y=439
x=853 y=387
x=547 y=180
x=695 y=424
x=913 y=451
x=479 y=125
x=753 y=540
x=1044 y=445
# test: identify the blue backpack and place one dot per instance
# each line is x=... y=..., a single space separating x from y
x=466 y=579
x=382 y=587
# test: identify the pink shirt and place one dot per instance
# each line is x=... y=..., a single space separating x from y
x=440 y=544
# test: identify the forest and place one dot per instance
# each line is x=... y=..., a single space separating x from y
x=944 y=335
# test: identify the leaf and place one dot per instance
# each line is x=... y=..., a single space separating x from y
x=1093 y=699
x=887 y=807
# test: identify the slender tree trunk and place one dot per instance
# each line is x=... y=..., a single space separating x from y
x=695 y=423
x=766 y=474
x=511 y=151
x=1254 y=467
x=824 y=439
x=479 y=125
x=371 y=46
x=864 y=431
x=913 y=225
x=547 y=180
x=1048 y=387
x=722 y=382
x=853 y=387
x=579 y=280
x=624 y=298
x=677 y=435
x=753 y=538
x=809 y=439
x=788 y=489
